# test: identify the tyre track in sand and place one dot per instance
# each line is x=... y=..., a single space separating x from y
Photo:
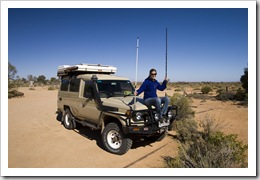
x=145 y=156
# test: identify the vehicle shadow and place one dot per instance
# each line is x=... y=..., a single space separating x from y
x=86 y=132
x=90 y=134
x=95 y=135
x=59 y=116
x=142 y=143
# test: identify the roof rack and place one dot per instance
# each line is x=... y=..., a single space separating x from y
x=65 y=70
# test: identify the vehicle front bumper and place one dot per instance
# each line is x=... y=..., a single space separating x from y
x=153 y=128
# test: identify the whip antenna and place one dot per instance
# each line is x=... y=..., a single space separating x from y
x=166 y=58
x=136 y=67
x=166 y=55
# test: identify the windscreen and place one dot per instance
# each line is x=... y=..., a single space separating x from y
x=115 y=88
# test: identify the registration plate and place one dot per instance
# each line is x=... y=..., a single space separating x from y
x=163 y=124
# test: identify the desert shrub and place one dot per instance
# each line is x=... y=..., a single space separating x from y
x=240 y=95
x=183 y=103
x=207 y=148
x=10 y=95
x=201 y=96
x=11 y=85
x=51 y=88
x=14 y=93
x=210 y=125
x=178 y=89
x=224 y=95
x=196 y=88
x=206 y=89
x=186 y=130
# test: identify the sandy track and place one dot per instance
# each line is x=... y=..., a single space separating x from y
x=37 y=139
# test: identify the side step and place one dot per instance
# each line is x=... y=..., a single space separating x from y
x=84 y=123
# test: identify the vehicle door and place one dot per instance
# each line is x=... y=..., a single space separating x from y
x=88 y=110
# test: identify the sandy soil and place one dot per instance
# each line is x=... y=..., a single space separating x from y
x=36 y=139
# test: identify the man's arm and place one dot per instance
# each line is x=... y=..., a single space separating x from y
x=141 y=89
x=163 y=86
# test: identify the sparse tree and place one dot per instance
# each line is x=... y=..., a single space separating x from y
x=54 y=81
x=30 y=77
x=244 y=80
x=11 y=74
x=11 y=71
x=41 y=79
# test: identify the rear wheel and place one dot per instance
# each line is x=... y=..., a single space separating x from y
x=68 y=120
x=114 y=139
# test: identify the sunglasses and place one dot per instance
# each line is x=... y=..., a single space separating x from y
x=154 y=74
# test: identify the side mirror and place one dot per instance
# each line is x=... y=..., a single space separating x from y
x=94 y=78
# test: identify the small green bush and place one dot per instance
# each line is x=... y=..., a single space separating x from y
x=206 y=89
x=183 y=103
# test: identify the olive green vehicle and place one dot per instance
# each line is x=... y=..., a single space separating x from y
x=101 y=100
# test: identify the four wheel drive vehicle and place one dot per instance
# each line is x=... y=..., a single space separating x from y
x=92 y=96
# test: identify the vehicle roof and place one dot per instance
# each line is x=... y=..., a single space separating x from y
x=102 y=77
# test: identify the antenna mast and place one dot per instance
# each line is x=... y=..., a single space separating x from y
x=166 y=55
x=136 y=67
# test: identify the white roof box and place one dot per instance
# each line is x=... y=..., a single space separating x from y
x=85 y=69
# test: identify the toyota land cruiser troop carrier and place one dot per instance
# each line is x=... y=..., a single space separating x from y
x=93 y=96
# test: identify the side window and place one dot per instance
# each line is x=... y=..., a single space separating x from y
x=88 y=90
x=74 y=85
x=64 y=85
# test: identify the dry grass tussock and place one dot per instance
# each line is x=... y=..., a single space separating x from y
x=206 y=148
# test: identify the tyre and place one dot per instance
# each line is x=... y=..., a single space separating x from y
x=68 y=120
x=114 y=139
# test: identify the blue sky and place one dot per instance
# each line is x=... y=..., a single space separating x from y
x=207 y=44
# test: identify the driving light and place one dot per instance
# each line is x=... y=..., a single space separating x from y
x=170 y=114
x=156 y=117
x=138 y=116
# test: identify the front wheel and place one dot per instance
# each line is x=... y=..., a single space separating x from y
x=114 y=139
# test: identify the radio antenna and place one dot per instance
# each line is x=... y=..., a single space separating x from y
x=166 y=58
x=136 y=68
x=166 y=55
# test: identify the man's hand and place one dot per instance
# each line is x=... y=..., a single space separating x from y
x=135 y=93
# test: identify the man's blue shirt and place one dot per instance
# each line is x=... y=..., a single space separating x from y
x=150 y=86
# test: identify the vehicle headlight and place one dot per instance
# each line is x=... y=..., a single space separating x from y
x=156 y=117
x=138 y=116
x=170 y=114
